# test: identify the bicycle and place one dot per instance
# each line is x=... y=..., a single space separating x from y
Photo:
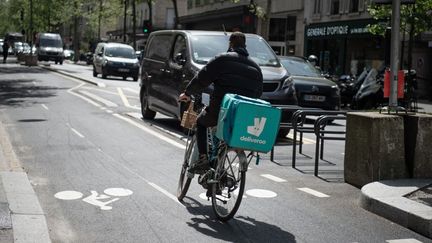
x=225 y=180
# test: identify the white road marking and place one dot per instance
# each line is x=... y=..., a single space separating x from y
x=123 y=97
x=313 y=192
x=164 y=192
x=71 y=91
x=102 y=85
x=100 y=99
x=118 y=192
x=151 y=132
x=132 y=90
x=273 y=178
x=77 y=133
x=261 y=193
x=44 y=106
x=109 y=92
x=34 y=83
x=404 y=241
x=305 y=140
x=68 y=195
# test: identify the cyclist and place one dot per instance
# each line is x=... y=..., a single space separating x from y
x=230 y=72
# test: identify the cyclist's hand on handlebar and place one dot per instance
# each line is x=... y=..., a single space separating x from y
x=184 y=98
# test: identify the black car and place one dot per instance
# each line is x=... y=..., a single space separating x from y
x=173 y=57
x=312 y=89
x=114 y=59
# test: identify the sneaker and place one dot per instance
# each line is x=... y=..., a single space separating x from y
x=201 y=166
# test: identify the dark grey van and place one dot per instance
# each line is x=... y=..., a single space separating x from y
x=173 y=57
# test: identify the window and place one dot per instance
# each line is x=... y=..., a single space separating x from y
x=334 y=7
x=179 y=47
x=189 y=4
x=283 y=29
x=354 y=6
x=197 y=2
x=159 y=47
x=169 y=18
x=317 y=7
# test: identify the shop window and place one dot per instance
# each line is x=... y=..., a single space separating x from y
x=354 y=6
x=189 y=4
x=283 y=29
x=317 y=7
x=334 y=7
x=198 y=2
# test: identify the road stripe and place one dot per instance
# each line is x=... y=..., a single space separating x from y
x=123 y=97
x=165 y=192
x=151 y=132
x=132 y=90
x=273 y=178
x=305 y=140
x=77 y=133
x=71 y=91
x=100 y=99
x=109 y=111
x=313 y=192
x=45 y=107
x=403 y=241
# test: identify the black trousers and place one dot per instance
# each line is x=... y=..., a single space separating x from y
x=207 y=118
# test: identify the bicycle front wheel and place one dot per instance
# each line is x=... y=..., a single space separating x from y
x=185 y=178
x=227 y=193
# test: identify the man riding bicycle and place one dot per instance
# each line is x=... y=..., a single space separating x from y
x=230 y=72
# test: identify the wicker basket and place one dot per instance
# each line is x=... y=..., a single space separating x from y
x=189 y=117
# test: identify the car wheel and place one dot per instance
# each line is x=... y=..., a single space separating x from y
x=104 y=76
x=135 y=78
x=94 y=72
x=61 y=62
x=145 y=110
x=56 y=62
x=124 y=78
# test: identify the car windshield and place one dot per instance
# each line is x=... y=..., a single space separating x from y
x=120 y=52
x=300 y=67
x=206 y=47
x=51 y=42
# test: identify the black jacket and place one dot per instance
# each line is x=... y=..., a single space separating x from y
x=230 y=72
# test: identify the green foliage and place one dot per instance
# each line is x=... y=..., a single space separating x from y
x=418 y=15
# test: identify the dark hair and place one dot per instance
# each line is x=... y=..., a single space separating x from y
x=238 y=39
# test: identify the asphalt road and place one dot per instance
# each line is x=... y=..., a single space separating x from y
x=101 y=174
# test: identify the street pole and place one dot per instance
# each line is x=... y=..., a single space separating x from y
x=394 y=55
x=31 y=26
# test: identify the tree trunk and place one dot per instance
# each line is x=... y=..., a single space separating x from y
x=76 y=33
x=149 y=4
x=124 y=21
x=176 y=22
x=134 y=23
x=100 y=18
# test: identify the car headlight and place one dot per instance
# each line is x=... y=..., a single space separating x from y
x=289 y=82
x=336 y=90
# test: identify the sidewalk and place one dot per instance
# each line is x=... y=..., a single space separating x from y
x=407 y=202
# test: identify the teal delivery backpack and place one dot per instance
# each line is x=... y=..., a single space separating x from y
x=247 y=123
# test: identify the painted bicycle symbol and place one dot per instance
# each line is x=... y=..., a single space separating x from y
x=102 y=200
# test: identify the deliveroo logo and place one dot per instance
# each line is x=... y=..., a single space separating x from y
x=258 y=126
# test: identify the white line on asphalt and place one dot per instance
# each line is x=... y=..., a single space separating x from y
x=77 y=133
x=71 y=91
x=151 y=132
x=164 y=192
x=273 y=178
x=139 y=117
x=305 y=140
x=123 y=97
x=102 y=85
x=45 y=107
x=132 y=90
x=313 y=192
x=403 y=241
x=108 y=92
x=100 y=99
x=109 y=111
x=34 y=83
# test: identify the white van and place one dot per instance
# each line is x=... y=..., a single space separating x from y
x=49 y=47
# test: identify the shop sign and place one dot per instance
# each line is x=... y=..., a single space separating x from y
x=337 y=30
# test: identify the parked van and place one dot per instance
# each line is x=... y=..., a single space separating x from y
x=49 y=47
x=173 y=57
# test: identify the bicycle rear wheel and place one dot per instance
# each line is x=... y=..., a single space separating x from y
x=228 y=192
x=185 y=177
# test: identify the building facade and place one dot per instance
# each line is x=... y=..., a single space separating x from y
x=336 y=31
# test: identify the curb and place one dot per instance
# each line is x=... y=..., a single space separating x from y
x=70 y=75
x=386 y=198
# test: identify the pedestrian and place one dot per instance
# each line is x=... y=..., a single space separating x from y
x=231 y=72
x=5 y=50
